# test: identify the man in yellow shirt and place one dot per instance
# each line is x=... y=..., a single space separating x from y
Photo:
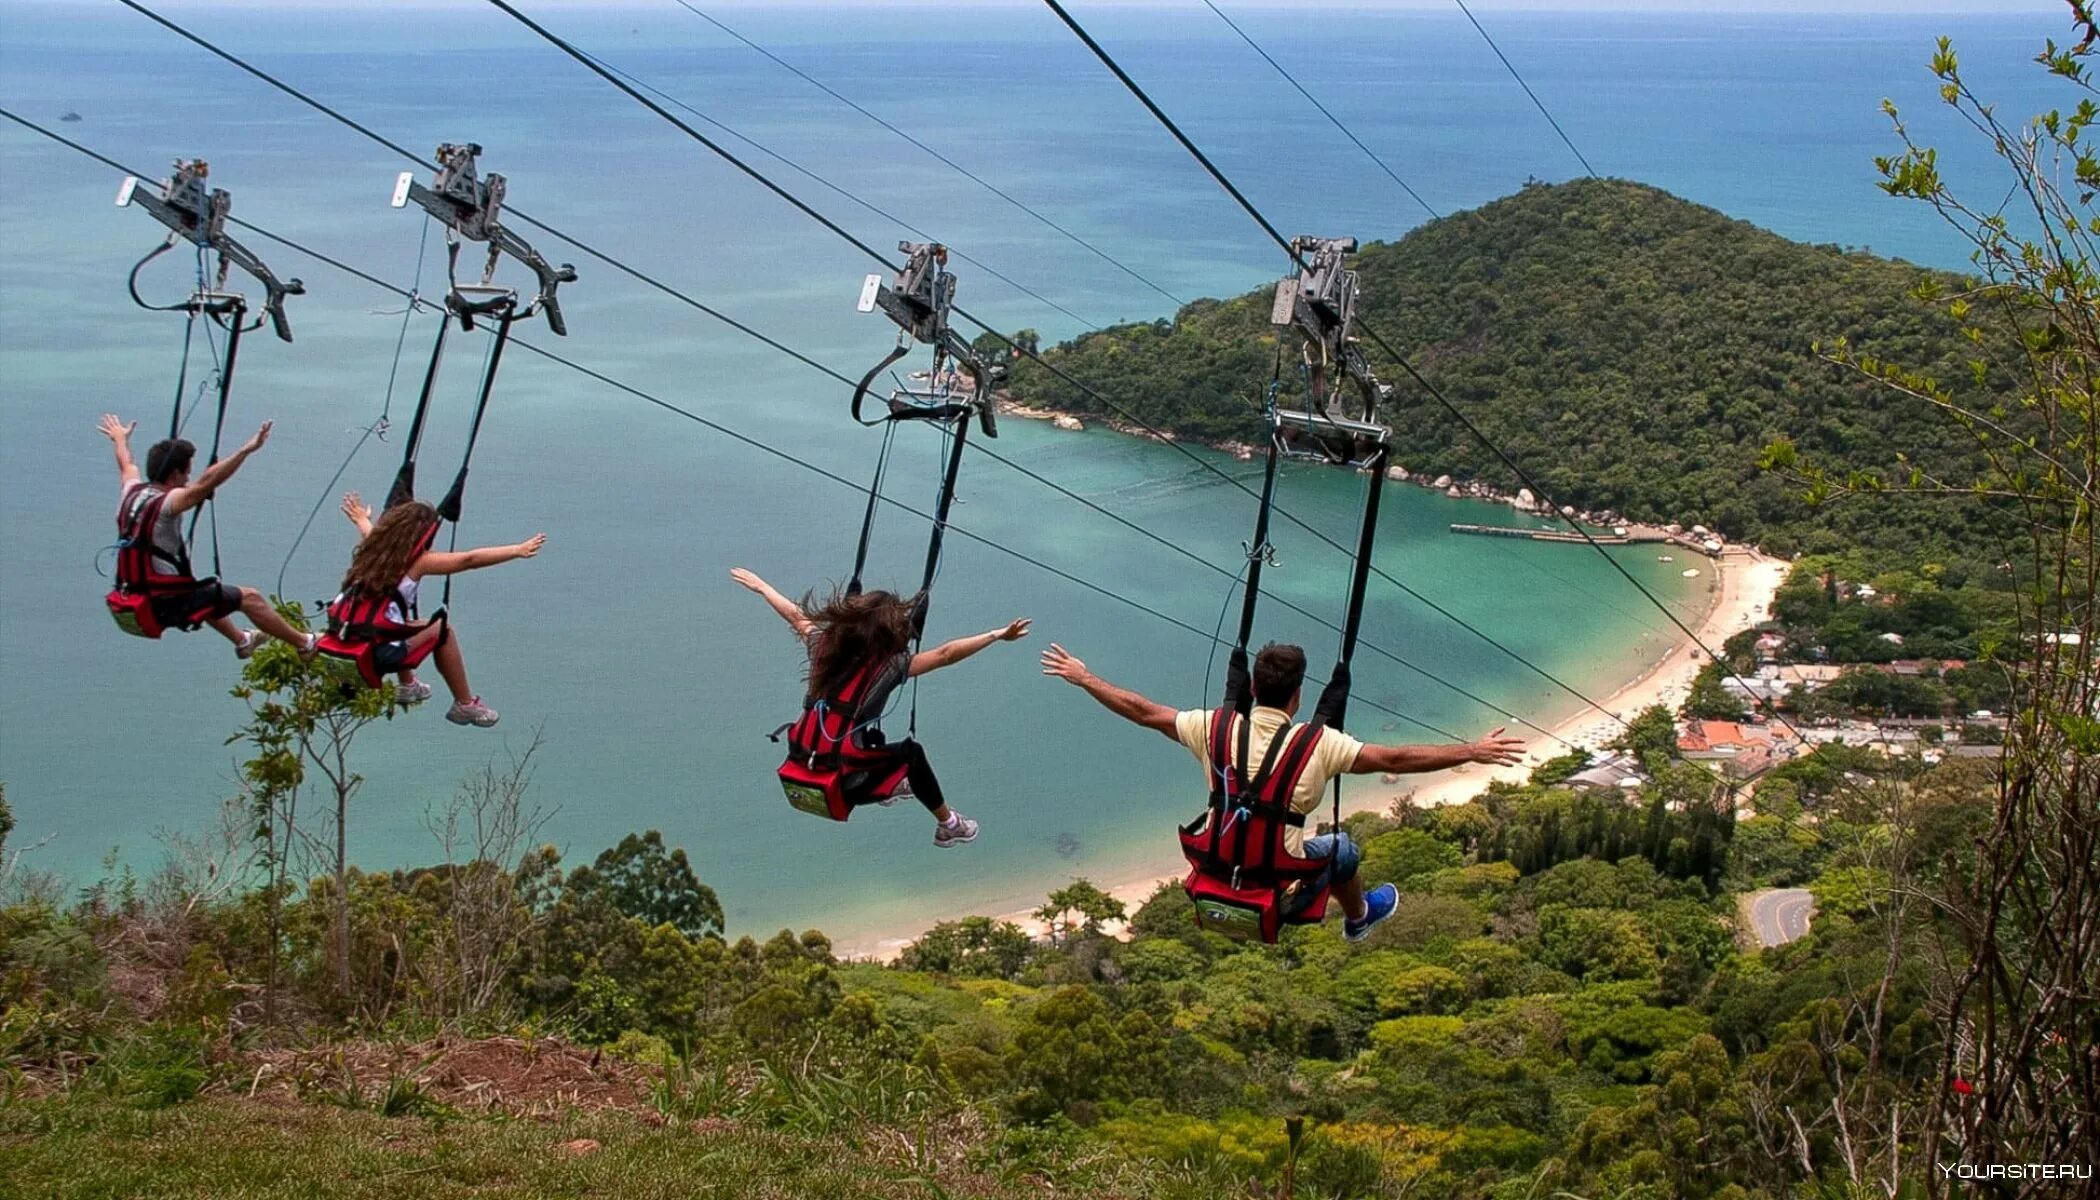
x=1279 y=678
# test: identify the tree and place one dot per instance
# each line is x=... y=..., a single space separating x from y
x=640 y=879
x=2022 y=909
x=1406 y=855
x=1094 y=907
x=1651 y=737
x=303 y=715
x=1067 y=1054
x=973 y=946
x=1710 y=701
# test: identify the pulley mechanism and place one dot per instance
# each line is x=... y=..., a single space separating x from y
x=1319 y=300
x=195 y=215
x=919 y=300
x=471 y=208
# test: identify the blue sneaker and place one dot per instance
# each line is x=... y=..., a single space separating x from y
x=1379 y=904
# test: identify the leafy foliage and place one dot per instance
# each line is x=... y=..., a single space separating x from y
x=1634 y=351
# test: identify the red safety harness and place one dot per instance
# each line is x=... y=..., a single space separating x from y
x=828 y=773
x=358 y=626
x=1244 y=883
x=138 y=580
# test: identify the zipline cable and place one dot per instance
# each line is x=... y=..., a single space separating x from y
x=727 y=431
x=590 y=63
x=806 y=209
x=1519 y=77
x=1379 y=339
x=1324 y=111
x=379 y=426
x=585 y=59
x=844 y=192
x=957 y=167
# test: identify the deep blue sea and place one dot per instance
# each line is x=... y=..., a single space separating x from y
x=651 y=676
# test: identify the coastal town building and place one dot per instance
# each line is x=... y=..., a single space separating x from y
x=1608 y=772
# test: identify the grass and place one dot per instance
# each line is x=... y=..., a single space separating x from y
x=228 y=1148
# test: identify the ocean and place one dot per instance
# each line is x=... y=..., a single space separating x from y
x=651 y=678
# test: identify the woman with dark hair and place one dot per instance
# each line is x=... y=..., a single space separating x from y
x=373 y=618
x=870 y=634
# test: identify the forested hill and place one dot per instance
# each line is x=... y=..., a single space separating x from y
x=1633 y=350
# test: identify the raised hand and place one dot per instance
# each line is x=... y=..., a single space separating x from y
x=261 y=439
x=748 y=579
x=1497 y=749
x=531 y=546
x=1016 y=631
x=115 y=429
x=1060 y=662
x=355 y=508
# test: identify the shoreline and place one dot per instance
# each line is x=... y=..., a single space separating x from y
x=1745 y=582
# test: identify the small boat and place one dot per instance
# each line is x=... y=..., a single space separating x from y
x=1666 y=558
x=1690 y=573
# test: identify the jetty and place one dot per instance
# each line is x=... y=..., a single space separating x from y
x=1619 y=535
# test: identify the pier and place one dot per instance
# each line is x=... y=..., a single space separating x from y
x=1635 y=535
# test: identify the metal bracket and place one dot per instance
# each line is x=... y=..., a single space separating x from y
x=471 y=208
x=919 y=300
x=194 y=214
x=1344 y=441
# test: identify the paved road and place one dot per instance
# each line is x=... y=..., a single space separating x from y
x=1781 y=915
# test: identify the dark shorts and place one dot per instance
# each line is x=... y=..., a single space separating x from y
x=208 y=601
x=389 y=657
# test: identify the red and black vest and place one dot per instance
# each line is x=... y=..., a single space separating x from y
x=828 y=772
x=139 y=581
x=358 y=624
x=1242 y=879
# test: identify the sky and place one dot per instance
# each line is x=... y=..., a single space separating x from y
x=1893 y=7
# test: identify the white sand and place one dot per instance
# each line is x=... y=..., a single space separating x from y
x=1747 y=583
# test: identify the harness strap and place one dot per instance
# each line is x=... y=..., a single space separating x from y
x=1238 y=678
x=867 y=520
x=860 y=390
x=404 y=487
x=135 y=547
x=234 y=330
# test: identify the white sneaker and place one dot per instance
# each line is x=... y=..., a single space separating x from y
x=245 y=648
x=946 y=834
x=903 y=792
x=473 y=712
x=411 y=693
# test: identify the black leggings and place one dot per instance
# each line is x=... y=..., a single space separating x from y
x=917 y=771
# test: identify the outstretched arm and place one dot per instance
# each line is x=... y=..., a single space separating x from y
x=1059 y=662
x=119 y=435
x=1414 y=760
x=452 y=562
x=947 y=654
x=200 y=489
x=360 y=514
x=789 y=611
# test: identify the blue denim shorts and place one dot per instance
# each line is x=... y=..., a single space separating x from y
x=1341 y=855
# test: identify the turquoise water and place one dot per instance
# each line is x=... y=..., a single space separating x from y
x=653 y=677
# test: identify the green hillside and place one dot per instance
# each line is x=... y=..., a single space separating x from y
x=1634 y=351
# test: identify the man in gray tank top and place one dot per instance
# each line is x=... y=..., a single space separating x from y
x=201 y=601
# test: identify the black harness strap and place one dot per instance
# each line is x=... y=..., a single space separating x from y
x=234 y=329
x=860 y=390
x=404 y=487
x=867 y=520
x=1238 y=684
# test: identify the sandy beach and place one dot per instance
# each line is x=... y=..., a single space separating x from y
x=1744 y=584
